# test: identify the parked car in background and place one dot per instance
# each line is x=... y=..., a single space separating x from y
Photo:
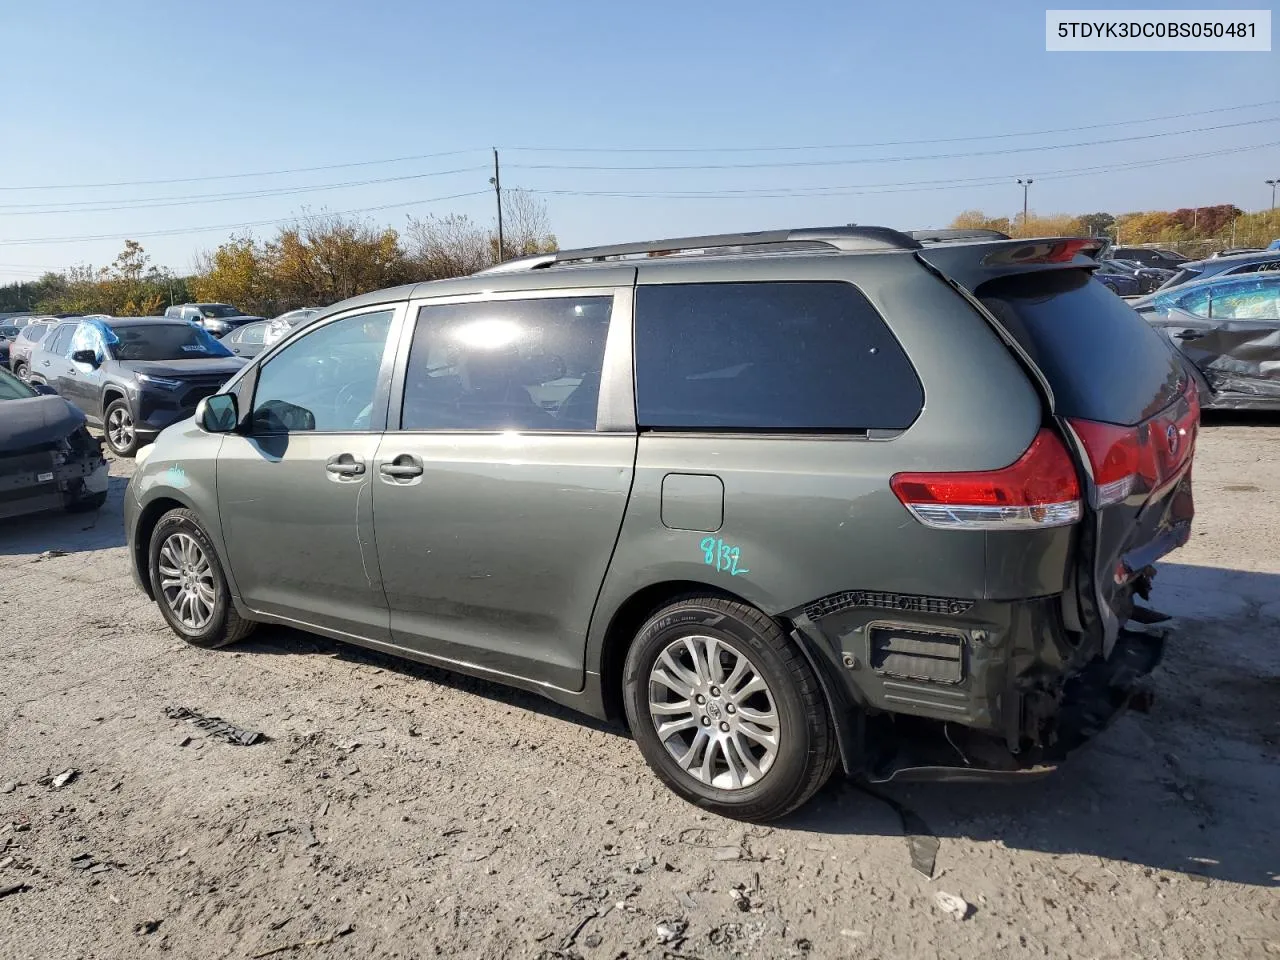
x=132 y=376
x=48 y=460
x=1229 y=328
x=1259 y=262
x=287 y=321
x=1274 y=245
x=645 y=487
x=8 y=333
x=1148 y=257
x=247 y=341
x=21 y=347
x=1234 y=251
x=1149 y=278
x=1119 y=280
x=218 y=318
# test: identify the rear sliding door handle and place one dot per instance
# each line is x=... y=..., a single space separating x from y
x=404 y=467
x=344 y=465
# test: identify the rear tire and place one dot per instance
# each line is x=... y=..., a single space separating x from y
x=21 y=371
x=189 y=585
x=746 y=729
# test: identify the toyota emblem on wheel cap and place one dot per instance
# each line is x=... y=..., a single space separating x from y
x=1171 y=434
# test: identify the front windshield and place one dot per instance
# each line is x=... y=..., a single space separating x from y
x=8 y=333
x=11 y=388
x=218 y=310
x=165 y=341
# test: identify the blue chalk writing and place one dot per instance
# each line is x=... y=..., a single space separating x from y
x=723 y=556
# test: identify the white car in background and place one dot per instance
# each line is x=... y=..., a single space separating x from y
x=277 y=327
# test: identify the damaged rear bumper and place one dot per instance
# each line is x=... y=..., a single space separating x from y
x=50 y=479
x=1085 y=706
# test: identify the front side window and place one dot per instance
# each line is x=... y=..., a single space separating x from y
x=89 y=337
x=530 y=365
x=783 y=356
x=325 y=380
x=1255 y=299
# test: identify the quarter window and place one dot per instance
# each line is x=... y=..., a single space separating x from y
x=326 y=380
x=529 y=365
x=788 y=356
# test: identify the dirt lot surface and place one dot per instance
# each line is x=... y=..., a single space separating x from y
x=400 y=812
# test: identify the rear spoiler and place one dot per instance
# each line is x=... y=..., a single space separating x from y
x=951 y=235
x=972 y=264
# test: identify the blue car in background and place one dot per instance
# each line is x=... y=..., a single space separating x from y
x=1229 y=329
x=1260 y=261
x=1120 y=281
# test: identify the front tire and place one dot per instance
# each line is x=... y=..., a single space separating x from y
x=189 y=585
x=119 y=429
x=726 y=710
x=21 y=372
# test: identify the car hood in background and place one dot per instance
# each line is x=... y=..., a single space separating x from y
x=185 y=369
x=33 y=421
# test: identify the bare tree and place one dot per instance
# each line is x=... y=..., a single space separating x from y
x=448 y=246
x=526 y=224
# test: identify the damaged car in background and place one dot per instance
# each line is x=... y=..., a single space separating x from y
x=48 y=460
x=1229 y=330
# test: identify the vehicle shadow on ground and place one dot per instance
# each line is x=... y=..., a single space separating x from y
x=285 y=640
x=68 y=532
x=1188 y=789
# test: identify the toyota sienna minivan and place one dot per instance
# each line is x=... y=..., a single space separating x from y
x=778 y=501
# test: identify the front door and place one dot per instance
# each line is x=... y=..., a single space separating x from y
x=82 y=382
x=294 y=490
x=499 y=499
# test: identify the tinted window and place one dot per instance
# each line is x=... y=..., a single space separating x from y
x=163 y=341
x=34 y=331
x=250 y=334
x=217 y=310
x=1257 y=298
x=1185 y=275
x=8 y=333
x=507 y=365
x=60 y=339
x=769 y=356
x=325 y=380
x=1102 y=360
x=1196 y=302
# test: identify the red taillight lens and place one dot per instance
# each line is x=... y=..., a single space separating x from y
x=1129 y=460
x=1039 y=490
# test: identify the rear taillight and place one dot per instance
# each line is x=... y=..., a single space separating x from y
x=1039 y=490
x=1141 y=459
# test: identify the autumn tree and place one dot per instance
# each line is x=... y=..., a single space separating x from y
x=324 y=259
x=238 y=272
x=977 y=220
x=1097 y=224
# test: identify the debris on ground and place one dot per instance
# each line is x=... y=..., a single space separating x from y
x=321 y=942
x=13 y=888
x=60 y=780
x=8 y=786
x=49 y=555
x=958 y=908
x=217 y=727
x=145 y=927
x=670 y=931
x=740 y=899
x=727 y=853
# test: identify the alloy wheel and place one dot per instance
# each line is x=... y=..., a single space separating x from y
x=186 y=580
x=120 y=429
x=714 y=712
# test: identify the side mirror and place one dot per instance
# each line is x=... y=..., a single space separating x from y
x=85 y=356
x=218 y=414
x=44 y=389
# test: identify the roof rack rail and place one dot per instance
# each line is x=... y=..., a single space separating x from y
x=846 y=239
x=943 y=236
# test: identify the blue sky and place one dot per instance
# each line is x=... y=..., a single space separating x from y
x=132 y=90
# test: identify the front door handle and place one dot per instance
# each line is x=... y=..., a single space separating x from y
x=404 y=467
x=1189 y=335
x=344 y=465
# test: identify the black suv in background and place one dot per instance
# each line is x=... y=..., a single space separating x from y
x=132 y=376
x=218 y=318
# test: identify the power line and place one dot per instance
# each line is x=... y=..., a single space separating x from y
x=237 y=176
x=239 y=226
x=841 y=163
x=146 y=203
x=895 y=143
x=892 y=186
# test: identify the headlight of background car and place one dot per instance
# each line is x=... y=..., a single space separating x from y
x=163 y=382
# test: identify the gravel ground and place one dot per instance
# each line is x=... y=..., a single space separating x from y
x=397 y=811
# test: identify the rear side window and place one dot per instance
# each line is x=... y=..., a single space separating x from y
x=1103 y=361
x=784 y=356
x=61 y=338
x=1184 y=275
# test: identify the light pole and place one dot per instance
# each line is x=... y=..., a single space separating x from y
x=1272 y=185
x=1026 y=186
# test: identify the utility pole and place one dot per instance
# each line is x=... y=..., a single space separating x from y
x=1272 y=185
x=496 y=180
x=1026 y=186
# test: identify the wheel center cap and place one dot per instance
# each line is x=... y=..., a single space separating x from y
x=713 y=709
